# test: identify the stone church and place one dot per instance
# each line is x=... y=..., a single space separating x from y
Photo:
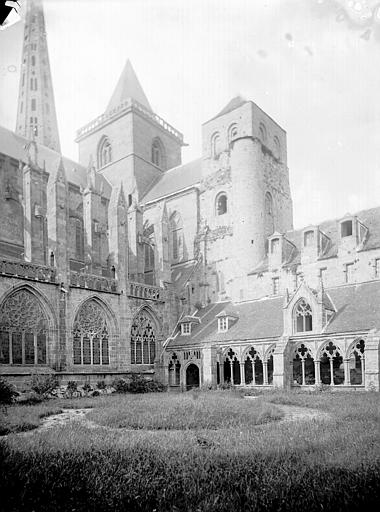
x=128 y=261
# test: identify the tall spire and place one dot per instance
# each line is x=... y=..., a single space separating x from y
x=36 y=116
x=128 y=86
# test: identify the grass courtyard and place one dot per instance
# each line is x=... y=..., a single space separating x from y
x=211 y=451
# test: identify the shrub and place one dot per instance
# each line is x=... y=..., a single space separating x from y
x=87 y=387
x=44 y=384
x=7 y=392
x=120 y=385
x=101 y=384
x=72 y=387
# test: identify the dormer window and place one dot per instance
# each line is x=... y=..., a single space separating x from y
x=186 y=328
x=308 y=238
x=223 y=324
x=275 y=245
x=346 y=228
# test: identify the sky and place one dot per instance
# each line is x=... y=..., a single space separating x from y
x=312 y=65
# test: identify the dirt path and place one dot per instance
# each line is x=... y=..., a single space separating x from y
x=296 y=413
x=291 y=413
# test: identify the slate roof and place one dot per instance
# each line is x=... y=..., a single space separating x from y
x=256 y=319
x=128 y=86
x=175 y=179
x=357 y=308
x=370 y=218
x=14 y=146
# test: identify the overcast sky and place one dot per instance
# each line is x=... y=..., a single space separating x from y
x=312 y=65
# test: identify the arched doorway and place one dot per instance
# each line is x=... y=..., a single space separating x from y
x=192 y=376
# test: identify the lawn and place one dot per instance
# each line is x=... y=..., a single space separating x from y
x=238 y=457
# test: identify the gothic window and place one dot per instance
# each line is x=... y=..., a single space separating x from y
x=156 y=153
x=149 y=264
x=346 y=228
x=308 y=238
x=143 y=339
x=33 y=60
x=216 y=147
x=104 y=152
x=263 y=133
x=303 y=317
x=33 y=104
x=23 y=330
x=91 y=335
x=174 y=371
x=356 y=363
x=79 y=249
x=221 y=204
x=269 y=217
x=277 y=148
x=176 y=229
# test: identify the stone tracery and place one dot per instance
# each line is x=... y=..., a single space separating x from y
x=91 y=335
x=143 y=339
x=23 y=330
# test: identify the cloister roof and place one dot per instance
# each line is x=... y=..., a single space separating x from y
x=357 y=308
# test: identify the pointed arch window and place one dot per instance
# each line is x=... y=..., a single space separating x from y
x=23 y=330
x=176 y=228
x=104 y=152
x=221 y=204
x=143 y=339
x=303 y=317
x=91 y=335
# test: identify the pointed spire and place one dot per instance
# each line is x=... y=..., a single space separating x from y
x=121 y=198
x=61 y=173
x=127 y=87
x=36 y=116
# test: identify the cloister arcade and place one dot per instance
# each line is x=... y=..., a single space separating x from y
x=310 y=363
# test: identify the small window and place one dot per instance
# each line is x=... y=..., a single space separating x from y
x=303 y=317
x=186 y=328
x=308 y=238
x=47 y=108
x=275 y=245
x=216 y=147
x=346 y=228
x=156 y=153
x=275 y=285
x=221 y=204
x=377 y=267
x=21 y=107
x=263 y=133
x=322 y=273
x=277 y=148
x=223 y=324
x=349 y=271
x=23 y=79
x=33 y=104
x=232 y=132
x=33 y=60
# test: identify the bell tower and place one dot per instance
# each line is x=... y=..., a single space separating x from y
x=36 y=116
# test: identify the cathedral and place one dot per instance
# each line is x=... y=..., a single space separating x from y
x=128 y=261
